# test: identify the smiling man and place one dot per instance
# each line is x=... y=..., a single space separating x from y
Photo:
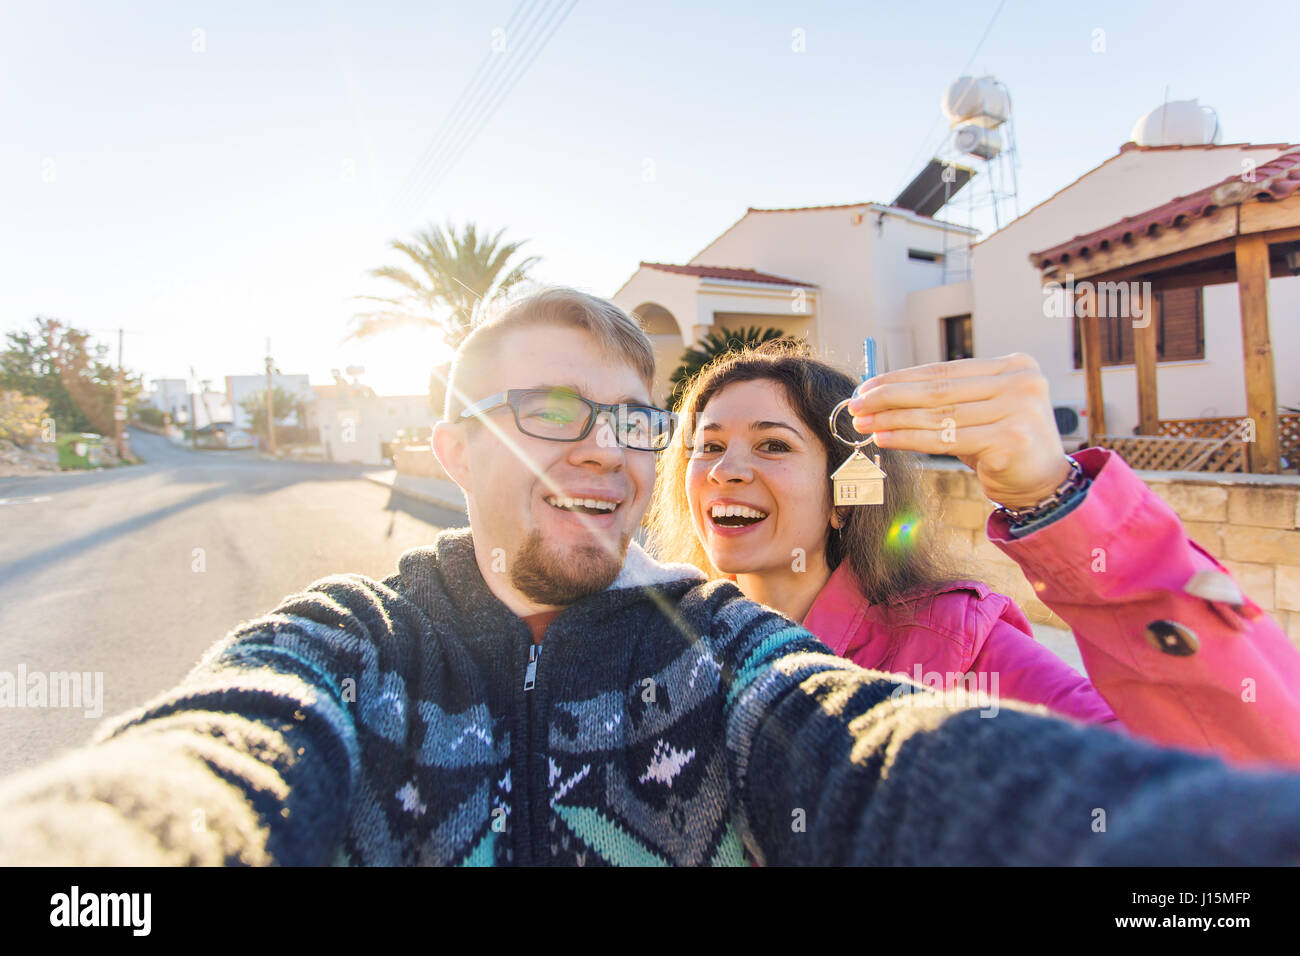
x=549 y=485
x=414 y=721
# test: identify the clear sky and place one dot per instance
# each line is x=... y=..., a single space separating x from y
x=208 y=189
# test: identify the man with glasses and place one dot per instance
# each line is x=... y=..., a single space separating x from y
x=670 y=721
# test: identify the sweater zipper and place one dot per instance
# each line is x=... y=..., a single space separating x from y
x=530 y=675
x=527 y=856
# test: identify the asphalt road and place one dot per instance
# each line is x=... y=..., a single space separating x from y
x=99 y=571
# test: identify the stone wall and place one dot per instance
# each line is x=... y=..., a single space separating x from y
x=417 y=460
x=1249 y=523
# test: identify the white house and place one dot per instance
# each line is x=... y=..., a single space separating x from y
x=355 y=424
x=833 y=274
x=170 y=395
x=838 y=273
x=241 y=387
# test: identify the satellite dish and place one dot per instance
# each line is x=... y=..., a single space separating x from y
x=1178 y=123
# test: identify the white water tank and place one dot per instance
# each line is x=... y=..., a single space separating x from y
x=978 y=102
x=977 y=141
x=1179 y=123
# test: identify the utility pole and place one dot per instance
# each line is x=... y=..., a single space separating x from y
x=203 y=396
x=194 y=422
x=119 y=412
x=270 y=401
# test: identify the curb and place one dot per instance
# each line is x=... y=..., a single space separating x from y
x=419 y=494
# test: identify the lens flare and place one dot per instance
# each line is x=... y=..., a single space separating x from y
x=904 y=532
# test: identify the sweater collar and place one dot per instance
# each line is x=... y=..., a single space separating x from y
x=444 y=579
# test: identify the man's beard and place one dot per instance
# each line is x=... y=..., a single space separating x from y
x=560 y=580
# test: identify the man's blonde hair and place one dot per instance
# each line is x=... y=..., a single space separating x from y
x=616 y=332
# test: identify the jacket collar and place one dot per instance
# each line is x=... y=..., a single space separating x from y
x=838 y=614
x=639 y=570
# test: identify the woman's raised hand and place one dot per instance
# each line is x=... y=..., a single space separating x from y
x=993 y=414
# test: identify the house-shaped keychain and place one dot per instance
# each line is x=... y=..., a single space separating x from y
x=859 y=481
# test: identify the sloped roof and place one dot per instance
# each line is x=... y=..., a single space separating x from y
x=1274 y=180
x=858 y=466
x=726 y=272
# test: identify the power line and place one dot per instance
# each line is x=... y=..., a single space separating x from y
x=497 y=96
x=930 y=132
x=467 y=95
x=483 y=110
x=489 y=98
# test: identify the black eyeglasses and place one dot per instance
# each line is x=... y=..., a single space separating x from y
x=558 y=414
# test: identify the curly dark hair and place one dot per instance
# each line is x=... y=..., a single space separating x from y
x=891 y=548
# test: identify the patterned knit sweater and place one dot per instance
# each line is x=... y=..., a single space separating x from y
x=666 y=721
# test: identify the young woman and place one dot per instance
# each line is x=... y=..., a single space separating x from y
x=1175 y=651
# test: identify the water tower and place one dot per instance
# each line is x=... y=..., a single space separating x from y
x=980 y=146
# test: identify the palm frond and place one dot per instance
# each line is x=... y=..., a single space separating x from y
x=459 y=273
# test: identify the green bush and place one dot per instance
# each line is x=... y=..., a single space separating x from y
x=148 y=415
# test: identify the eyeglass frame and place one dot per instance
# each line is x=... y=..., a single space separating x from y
x=512 y=396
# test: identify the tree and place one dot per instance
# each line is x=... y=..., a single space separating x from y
x=21 y=417
x=717 y=343
x=284 y=404
x=454 y=277
x=58 y=364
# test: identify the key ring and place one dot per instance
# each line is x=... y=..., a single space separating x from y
x=855 y=445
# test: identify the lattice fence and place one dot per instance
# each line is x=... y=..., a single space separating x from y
x=1160 y=453
x=1288 y=431
x=1288 y=437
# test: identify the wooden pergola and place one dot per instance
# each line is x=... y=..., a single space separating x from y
x=1243 y=230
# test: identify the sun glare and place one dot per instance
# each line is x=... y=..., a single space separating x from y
x=400 y=362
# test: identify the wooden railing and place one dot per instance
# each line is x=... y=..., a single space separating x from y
x=1161 y=453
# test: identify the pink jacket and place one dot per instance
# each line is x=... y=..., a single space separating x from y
x=1224 y=679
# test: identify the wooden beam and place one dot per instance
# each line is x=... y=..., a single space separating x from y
x=1193 y=280
x=1267 y=216
x=1221 y=247
x=1145 y=327
x=1261 y=384
x=1090 y=337
x=1190 y=280
x=1222 y=224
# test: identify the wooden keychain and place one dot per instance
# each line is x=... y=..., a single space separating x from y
x=859 y=481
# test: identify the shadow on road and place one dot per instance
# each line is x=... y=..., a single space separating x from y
x=224 y=473
x=29 y=564
x=422 y=511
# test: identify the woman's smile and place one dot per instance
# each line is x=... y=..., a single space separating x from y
x=731 y=517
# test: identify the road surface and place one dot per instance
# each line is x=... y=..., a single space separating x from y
x=133 y=572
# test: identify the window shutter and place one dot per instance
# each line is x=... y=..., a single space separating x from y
x=1182 y=325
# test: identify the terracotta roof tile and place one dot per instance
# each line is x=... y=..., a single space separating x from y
x=726 y=272
x=1274 y=180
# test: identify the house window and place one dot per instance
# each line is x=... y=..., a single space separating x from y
x=957 y=340
x=921 y=255
x=1180 y=333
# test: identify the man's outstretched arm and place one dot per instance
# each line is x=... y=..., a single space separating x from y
x=833 y=764
x=251 y=760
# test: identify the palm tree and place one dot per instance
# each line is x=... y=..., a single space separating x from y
x=716 y=343
x=454 y=278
